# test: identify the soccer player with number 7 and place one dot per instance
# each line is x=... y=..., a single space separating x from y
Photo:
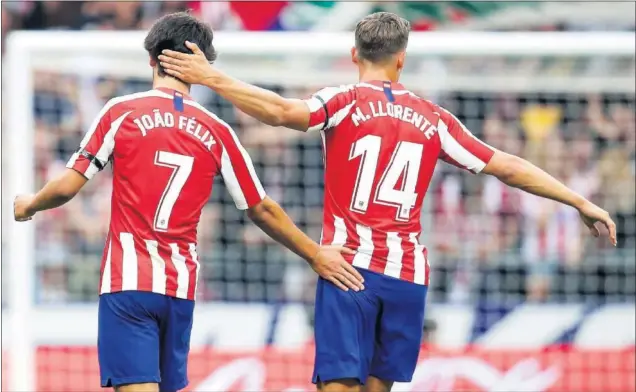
x=381 y=144
x=165 y=150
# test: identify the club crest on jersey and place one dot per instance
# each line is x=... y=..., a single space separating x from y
x=388 y=109
x=161 y=119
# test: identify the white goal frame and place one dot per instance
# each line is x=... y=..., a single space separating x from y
x=23 y=48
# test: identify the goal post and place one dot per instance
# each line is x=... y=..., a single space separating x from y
x=20 y=237
x=295 y=60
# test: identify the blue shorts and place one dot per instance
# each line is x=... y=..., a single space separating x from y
x=144 y=337
x=377 y=331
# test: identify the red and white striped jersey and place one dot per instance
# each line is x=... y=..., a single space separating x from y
x=381 y=144
x=165 y=151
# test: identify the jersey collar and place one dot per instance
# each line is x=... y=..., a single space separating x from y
x=381 y=83
x=171 y=91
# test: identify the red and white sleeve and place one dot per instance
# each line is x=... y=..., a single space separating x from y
x=329 y=106
x=238 y=171
x=459 y=146
x=98 y=143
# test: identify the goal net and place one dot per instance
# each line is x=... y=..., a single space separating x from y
x=521 y=297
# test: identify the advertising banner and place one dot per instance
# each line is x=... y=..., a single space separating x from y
x=558 y=368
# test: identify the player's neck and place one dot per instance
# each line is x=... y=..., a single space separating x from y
x=171 y=83
x=368 y=74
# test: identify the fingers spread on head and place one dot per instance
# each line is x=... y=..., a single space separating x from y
x=193 y=47
x=174 y=54
x=165 y=59
x=171 y=60
x=175 y=67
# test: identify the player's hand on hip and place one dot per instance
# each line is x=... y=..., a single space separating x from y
x=21 y=208
x=190 y=68
x=331 y=266
x=591 y=214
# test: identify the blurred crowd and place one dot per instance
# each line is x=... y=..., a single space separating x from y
x=486 y=241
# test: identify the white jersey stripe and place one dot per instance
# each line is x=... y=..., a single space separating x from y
x=183 y=279
x=106 y=275
x=246 y=159
x=108 y=144
x=313 y=104
x=394 y=258
x=195 y=258
x=158 y=268
x=364 y=252
x=419 y=261
x=340 y=115
x=340 y=232
x=129 y=267
x=456 y=151
x=231 y=181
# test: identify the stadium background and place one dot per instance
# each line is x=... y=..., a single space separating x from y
x=521 y=297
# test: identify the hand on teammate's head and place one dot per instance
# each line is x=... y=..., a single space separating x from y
x=191 y=68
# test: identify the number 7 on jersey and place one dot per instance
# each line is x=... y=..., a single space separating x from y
x=181 y=166
x=405 y=163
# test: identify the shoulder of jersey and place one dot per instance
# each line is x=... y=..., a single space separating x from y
x=135 y=96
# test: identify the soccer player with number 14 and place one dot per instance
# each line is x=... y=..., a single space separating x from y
x=381 y=144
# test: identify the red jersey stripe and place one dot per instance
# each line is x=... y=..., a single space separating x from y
x=116 y=261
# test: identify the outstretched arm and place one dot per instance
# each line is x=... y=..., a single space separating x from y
x=519 y=173
x=462 y=149
x=55 y=193
x=264 y=105
x=326 y=261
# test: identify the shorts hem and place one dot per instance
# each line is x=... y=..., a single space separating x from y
x=392 y=378
x=118 y=381
x=332 y=377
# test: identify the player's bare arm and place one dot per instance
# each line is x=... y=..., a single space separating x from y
x=264 y=105
x=327 y=261
x=55 y=193
x=519 y=173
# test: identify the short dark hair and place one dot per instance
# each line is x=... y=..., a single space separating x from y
x=172 y=30
x=381 y=35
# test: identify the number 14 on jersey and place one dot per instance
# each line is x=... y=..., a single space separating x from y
x=405 y=163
